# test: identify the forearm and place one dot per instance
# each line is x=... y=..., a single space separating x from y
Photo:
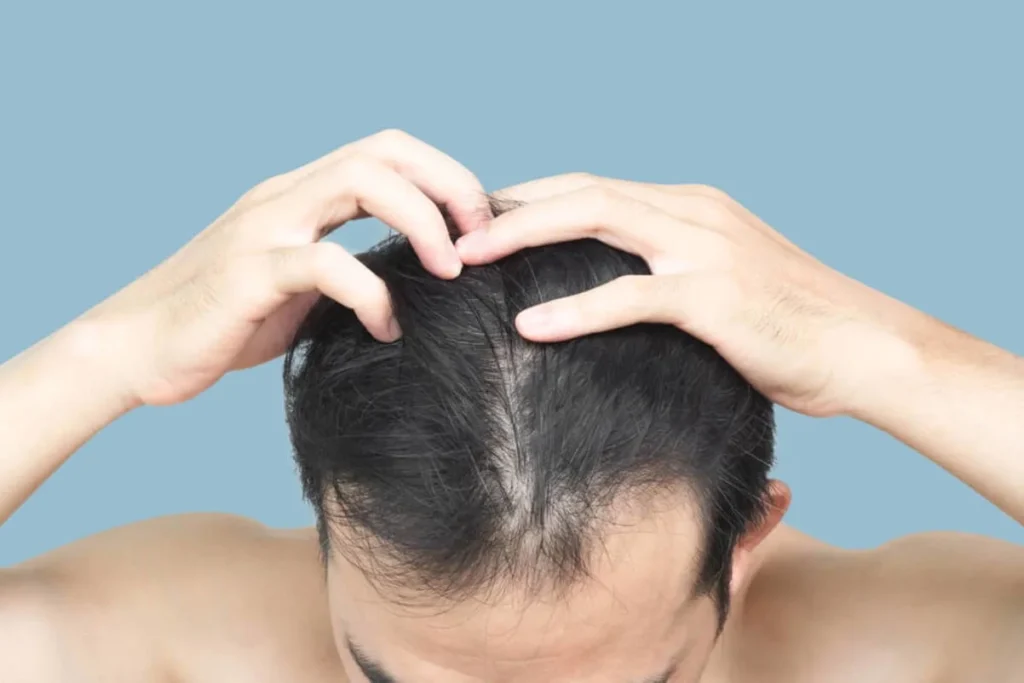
x=962 y=405
x=53 y=398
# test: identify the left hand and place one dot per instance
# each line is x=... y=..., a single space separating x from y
x=808 y=337
x=234 y=295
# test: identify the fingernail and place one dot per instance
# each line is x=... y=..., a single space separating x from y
x=454 y=267
x=537 y=319
x=394 y=330
x=471 y=243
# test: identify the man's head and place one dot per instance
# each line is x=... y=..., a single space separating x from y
x=494 y=509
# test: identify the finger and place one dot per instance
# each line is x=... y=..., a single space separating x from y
x=625 y=301
x=329 y=269
x=439 y=176
x=361 y=184
x=715 y=206
x=552 y=186
x=665 y=197
x=685 y=202
x=698 y=204
x=599 y=213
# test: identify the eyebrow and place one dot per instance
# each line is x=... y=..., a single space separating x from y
x=371 y=669
x=376 y=674
x=663 y=678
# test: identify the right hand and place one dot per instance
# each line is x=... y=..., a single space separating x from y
x=808 y=337
x=233 y=296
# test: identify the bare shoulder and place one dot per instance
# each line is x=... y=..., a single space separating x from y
x=146 y=601
x=931 y=607
x=176 y=543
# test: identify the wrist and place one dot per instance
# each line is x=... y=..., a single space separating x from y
x=901 y=365
x=93 y=359
x=926 y=365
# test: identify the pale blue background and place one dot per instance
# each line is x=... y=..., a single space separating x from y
x=885 y=137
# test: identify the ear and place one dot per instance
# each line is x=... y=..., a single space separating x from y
x=778 y=498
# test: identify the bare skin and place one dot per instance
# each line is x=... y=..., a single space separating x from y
x=200 y=598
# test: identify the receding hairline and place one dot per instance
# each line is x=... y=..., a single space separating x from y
x=637 y=506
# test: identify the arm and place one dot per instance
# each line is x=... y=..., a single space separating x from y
x=230 y=299
x=61 y=377
x=962 y=406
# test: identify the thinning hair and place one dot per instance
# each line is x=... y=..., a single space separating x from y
x=463 y=458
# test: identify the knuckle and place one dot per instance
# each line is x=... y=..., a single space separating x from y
x=713 y=193
x=713 y=212
x=355 y=165
x=602 y=213
x=581 y=179
x=235 y=230
x=343 y=177
x=600 y=198
x=392 y=136
x=256 y=219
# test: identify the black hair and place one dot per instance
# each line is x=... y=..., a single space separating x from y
x=462 y=457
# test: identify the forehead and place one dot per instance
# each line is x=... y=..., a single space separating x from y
x=637 y=598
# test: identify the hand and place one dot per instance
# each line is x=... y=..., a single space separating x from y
x=806 y=336
x=234 y=296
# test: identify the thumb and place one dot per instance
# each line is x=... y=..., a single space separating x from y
x=625 y=301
